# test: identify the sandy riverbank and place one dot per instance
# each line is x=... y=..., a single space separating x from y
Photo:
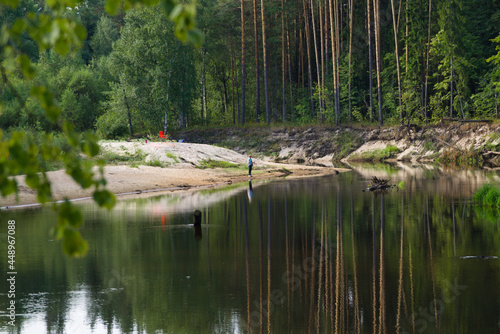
x=183 y=175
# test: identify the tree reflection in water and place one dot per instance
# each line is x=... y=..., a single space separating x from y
x=315 y=255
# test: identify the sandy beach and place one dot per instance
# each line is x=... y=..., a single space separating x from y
x=183 y=174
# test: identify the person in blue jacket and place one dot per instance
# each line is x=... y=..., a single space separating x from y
x=250 y=165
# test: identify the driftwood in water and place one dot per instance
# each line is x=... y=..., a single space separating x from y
x=378 y=184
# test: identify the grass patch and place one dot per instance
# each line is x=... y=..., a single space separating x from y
x=111 y=158
x=155 y=163
x=488 y=195
x=173 y=157
x=379 y=154
x=209 y=163
x=487 y=200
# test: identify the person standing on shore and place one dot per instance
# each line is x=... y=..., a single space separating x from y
x=250 y=165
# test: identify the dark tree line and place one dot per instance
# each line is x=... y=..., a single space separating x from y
x=293 y=61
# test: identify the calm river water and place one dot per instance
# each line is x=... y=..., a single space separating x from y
x=287 y=256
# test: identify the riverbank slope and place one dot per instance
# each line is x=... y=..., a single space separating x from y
x=327 y=145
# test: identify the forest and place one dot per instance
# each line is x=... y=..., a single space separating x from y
x=289 y=61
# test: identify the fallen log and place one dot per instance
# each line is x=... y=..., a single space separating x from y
x=466 y=120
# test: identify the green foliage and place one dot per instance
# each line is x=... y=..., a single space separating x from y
x=155 y=163
x=461 y=158
x=347 y=142
x=209 y=163
x=488 y=199
x=380 y=154
x=55 y=27
x=173 y=157
x=488 y=202
x=112 y=124
x=111 y=158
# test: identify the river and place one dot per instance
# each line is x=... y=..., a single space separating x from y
x=282 y=256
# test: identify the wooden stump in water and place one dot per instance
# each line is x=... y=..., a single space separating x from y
x=197 y=217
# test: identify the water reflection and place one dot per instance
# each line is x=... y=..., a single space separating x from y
x=315 y=255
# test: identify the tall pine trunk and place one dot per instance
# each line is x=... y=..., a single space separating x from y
x=242 y=62
x=351 y=17
x=396 y=51
x=376 y=12
x=426 y=88
x=308 y=45
x=203 y=88
x=322 y=84
x=264 y=47
x=334 y=56
x=232 y=75
x=451 y=60
x=337 y=59
x=316 y=52
x=128 y=108
x=370 y=56
x=283 y=59
x=257 y=69
x=289 y=65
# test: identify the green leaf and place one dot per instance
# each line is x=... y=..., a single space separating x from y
x=81 y=173
x=168 y=6
x=69 y=215
x=73 y=244
x=8 y=186
x=33 y=180
x=69 y=131
x=195 y=36
x=44 y=193
x=105 y=199
x=47 y=102
x=89 y=145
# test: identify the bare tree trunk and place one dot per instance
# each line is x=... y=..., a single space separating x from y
x=309 y=68
x=376 y=11
x=334 y=57
x=316 y=51
x=257 y=69
x=337 y=59
x=351 y=17
x=264 y=47
x=203 y=89
x=322 y=82
x=451 y=61
x=165 y=120
x=242 y=62
x=496 y=103
x=396 y=51
x=289 y=65
x=370 y=57
x=128 y=108
x=426 y=98
x=232 y=75
x=283 y=59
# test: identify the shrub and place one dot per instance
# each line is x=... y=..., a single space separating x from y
x=488 y=195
